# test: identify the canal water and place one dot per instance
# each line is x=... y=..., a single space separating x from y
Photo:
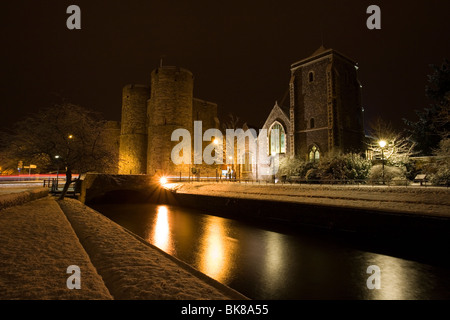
x=272 y=262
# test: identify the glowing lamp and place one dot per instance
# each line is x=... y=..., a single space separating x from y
x=163 y=180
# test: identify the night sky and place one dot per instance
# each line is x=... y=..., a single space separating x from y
x=239 y=51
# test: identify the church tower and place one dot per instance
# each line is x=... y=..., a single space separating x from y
x=325 y=106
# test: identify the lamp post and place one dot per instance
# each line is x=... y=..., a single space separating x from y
x=57 y=170
x=382 y=144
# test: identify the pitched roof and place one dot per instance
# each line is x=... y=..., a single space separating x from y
x=321 y=51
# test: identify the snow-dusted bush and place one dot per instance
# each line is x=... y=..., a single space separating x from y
x=439 y=171
x=344 y=167
x=312 y=174
x=290 y=167
x=390 y=174
x=338 y=167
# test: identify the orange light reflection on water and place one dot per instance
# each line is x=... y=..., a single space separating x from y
x=215 y=250
x=161 y=232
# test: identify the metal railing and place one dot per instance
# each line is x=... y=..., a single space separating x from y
x=54 y=186
x=298 y=181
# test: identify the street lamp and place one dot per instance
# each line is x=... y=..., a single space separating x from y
x=382 y=144
x=57 y=170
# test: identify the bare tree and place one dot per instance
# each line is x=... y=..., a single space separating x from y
x=232 y=122
x=398 y=147
x=65 y=135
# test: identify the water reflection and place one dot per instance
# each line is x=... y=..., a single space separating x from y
x=400 y=279
x=263 y=264
x=275 y=262
x=161 y=231
x=214 y=252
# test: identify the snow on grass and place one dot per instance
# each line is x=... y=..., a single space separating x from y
x=17 y=196
x=37 y=244
x=132 y=269
x=419 y=200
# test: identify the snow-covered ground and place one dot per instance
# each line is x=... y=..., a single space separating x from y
x=417 y=200
x=37 y=245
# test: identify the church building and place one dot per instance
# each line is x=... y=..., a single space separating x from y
x=323 y=114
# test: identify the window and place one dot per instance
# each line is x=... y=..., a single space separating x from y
x=314 y=154
x=311 y=123
x=277 y=139
x=311 y=76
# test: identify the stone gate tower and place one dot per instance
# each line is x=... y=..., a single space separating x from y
x=151 y=114
x=170 y=107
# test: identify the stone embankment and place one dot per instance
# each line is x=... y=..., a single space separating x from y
x=387 y=212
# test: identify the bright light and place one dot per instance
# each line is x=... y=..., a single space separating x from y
x=56 y=157
x=382 y=143
x=163 y=180
x=230 y=157
x=216 y=141
x=70 y=136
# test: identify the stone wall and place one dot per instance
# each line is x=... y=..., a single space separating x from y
x=133 y=136
x=206 y=112
x=111 y=137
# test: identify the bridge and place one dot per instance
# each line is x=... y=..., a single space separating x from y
x=116 y=188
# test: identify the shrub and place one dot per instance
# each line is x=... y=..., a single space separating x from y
x=390 y=174
x=294 y=167
x=312 y=175
x=344 y=167
x=440 y=170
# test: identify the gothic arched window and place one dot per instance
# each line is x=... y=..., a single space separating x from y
x=277 y=139
x=311 y=76
x=314 y=154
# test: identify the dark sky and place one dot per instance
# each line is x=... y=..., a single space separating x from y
x=239 y=51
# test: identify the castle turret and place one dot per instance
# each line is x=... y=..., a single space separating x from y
x=169 y=108
x=133 y=135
